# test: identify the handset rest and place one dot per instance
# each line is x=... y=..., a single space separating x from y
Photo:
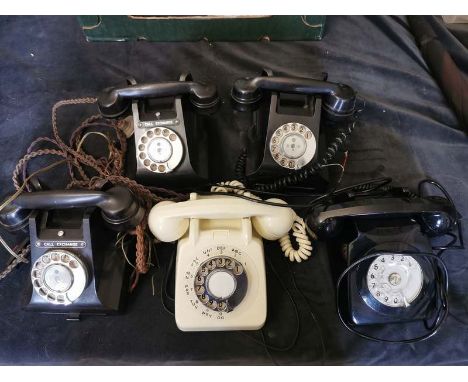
x=120 y=208
x=169 y=221
x=338 y=99
x=436 y=215
x=114 y=101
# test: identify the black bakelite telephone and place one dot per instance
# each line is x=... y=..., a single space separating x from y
x=74 y=265
x=171 y=144
x=284 y=115
x=387 y=271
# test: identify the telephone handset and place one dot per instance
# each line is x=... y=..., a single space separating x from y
x=338 y=99
x=220 y=269
x=388 y=273
x=168 y=120
x=285 y=113
x=435 y=215
x=74 y=268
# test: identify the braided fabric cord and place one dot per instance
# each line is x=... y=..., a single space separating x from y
x=304 y=245
x=110 y=169
x=22 y=258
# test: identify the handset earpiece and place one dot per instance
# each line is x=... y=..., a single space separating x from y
x=327 y=229
x=164 y=227
x=14 y=218
x=274 y=226
x=439 y=222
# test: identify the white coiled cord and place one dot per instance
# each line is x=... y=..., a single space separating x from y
x=304 y=244
x=304 y=249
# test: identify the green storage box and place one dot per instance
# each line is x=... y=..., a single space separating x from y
x=196 y=28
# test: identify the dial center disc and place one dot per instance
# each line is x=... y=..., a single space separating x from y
x=160 y=150
x=394 y=278
x=221 y=284
x=294 y=145
x=58 y=278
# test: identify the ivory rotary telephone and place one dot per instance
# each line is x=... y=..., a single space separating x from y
x=220 y=269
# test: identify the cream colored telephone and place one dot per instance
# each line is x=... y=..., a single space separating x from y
x=220 y=268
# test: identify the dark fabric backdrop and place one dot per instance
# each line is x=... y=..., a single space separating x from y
x=408 y=132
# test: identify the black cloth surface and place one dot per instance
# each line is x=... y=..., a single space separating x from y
x=408 y=132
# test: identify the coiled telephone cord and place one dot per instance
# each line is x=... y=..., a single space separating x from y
x=336 y=145
x=240 y=167
x=304 y=245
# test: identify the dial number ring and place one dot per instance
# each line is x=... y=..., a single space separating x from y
x=395 y=280
x=293 y=145
x=59 y=277
x=220 y=283
x=160 y=150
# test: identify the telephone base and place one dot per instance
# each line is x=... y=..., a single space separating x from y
x=86 y=244
x=220 y=277
x=400 y=242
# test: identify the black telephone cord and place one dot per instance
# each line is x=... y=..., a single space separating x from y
x=336 y=145
x=240 y=167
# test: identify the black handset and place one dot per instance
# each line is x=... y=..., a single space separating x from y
x=338 y=99
x=383 y=260
x=114 y=101
x=119 y=207
x=74 y=265
x=285 y=115
x=169 y=121
x=436 y=215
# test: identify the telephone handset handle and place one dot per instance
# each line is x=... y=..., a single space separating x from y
x=436 y=214
x=169 y=221
x=119 y=207
x=114 y=101
x=338 y=99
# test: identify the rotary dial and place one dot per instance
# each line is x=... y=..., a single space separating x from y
x=395 y=280
x=221 y=283
x=160 y=150
x=59 y=277
x=292 y=145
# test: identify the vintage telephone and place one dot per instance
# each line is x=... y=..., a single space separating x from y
x=169 y=121
x=220 y=270
x=388 y=273
x=284 y=113
x=74 y=267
